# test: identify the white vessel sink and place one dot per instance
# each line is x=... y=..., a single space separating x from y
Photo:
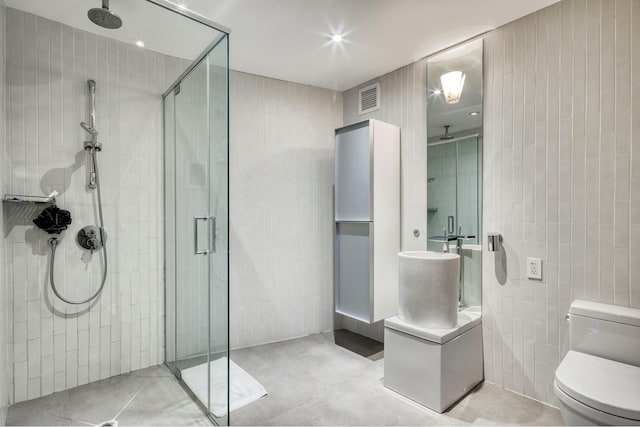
x=429 y=283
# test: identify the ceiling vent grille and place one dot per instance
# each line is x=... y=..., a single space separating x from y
x=369 y=98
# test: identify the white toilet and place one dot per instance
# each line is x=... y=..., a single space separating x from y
x=598 y=381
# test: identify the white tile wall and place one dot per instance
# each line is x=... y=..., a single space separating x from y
x=281 y=208
x=403 y=98
x=560 y=169
x=55 y=346
x=4 y=315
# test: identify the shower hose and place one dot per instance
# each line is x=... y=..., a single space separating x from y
x=53 y=243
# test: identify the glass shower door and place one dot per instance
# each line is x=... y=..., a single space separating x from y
x=193 y=238
x=219 y=258
x=196 y=148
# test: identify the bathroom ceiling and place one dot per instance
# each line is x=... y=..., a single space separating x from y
x=289 y=39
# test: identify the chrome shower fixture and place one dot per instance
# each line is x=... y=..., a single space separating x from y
x=103 y=17
x=90 y=129
x=90 y=237
x=494 y=241
x=446 y=133
x=93 y=144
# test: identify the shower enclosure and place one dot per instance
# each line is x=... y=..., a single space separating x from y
x=196 y=247
x=122 y=109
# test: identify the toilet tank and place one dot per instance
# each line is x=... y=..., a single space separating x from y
x=605 y=330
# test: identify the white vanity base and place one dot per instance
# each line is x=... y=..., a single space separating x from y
x=433 y=367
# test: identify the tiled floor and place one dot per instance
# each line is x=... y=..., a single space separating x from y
x=147 y=397
x=311 y=381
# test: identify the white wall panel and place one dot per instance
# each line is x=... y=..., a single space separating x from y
x=575 y=206
x=281 y=209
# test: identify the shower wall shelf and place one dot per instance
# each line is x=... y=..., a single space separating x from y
x=19 y=198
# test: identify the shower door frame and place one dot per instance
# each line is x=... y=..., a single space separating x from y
x=193 y=16
x=223 y=37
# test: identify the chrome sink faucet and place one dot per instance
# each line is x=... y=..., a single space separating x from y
x=460 y=240
x=445 y=245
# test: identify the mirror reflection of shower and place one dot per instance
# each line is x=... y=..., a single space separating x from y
x=454 y=181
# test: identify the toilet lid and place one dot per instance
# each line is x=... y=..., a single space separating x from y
x=603 y=384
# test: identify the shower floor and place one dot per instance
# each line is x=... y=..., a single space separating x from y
x=311 y=381
x=146 y=397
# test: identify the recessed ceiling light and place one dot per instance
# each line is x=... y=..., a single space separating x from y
x=139 y=43
x=437 y=92
x=337 y=38
x=474 y=113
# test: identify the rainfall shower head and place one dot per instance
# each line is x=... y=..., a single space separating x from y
x=103 y=17
x=446 y=133
x=90 y=129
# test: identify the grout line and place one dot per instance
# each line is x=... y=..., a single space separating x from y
x=80 y=421
x=134 y=396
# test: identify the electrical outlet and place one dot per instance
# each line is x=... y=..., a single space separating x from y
x=534 y=268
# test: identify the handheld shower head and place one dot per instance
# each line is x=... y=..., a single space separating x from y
x=90 y=129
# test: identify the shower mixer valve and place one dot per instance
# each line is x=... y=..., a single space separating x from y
x=89 y=238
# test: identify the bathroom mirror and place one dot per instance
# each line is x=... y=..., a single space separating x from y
x=454 y=161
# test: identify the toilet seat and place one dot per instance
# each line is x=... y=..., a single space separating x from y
x=604 y=385
x=575 y=413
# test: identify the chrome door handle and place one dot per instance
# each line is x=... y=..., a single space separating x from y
x=211 y=223
x=450 y=224
x=197 y=249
